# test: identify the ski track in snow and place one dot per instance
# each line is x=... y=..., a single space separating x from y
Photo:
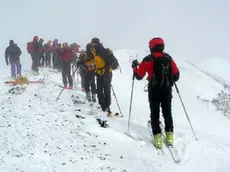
x=40 y=134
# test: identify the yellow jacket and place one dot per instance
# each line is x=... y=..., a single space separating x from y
x=99 y=63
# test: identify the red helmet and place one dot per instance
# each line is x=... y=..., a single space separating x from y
x=35 y=38
x=156 y=44
x=155 y=41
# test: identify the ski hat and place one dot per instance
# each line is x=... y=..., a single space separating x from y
x=11 y=42
x=88 y=47
x=55 y=41
x=35 y=38
x=65 y=44
x=95 y=41
x=156 y=44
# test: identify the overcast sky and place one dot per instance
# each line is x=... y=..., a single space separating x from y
x=194 y=29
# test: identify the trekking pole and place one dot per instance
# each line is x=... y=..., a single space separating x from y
x=116 y=100
x=120 y=68
x=185 y=111
x=77 y=78
x=131 y=101
x=60 y=94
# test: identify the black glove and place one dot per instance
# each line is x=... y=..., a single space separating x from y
x=135 y=63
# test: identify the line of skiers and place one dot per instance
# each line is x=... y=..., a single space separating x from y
x=95 y=61
x=98 y=61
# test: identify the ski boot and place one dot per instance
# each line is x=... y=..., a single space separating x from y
x=70 y=87
x=158 y=141
x=169 y=138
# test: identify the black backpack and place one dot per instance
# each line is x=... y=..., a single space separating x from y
x=107 y=55
x=163 y=77
x=114 y=62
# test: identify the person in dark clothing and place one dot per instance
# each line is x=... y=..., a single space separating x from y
x=48 y=51
x=41 y=52
x=35 y=55
x=162 y=74
x=86 y=63
x=57 y=64
x=66 y=56
x=103 y=73
x=12 y=54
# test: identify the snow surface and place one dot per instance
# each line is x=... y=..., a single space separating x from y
x=40 y=134
x=218 y=67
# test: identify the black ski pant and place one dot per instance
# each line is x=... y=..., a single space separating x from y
x=89 y=82
x=47 y=59
x=42 y=59
x=104 y=90
x=160 y=97
x=35 y=61
x=66 y=74
x=54 y=57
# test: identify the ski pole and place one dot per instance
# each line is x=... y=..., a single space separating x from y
x=116 y=100
x=131 y=100
x=60 y=93
x=185 y=111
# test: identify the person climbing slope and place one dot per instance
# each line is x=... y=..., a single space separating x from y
x=162 y=74
x=103 y=73
x=48 y=51
x=66 y=55
x=86 y=64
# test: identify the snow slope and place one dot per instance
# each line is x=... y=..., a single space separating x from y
x=218 y=67
x=40 y=134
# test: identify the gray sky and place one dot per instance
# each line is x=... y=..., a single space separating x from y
x=193 y=30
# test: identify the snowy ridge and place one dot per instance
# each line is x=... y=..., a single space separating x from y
x=40 y=134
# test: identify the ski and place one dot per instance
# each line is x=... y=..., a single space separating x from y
x=21 y=82
x=171 y=148
x=159 y=151
x=16 y=90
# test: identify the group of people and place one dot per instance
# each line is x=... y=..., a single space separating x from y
x=43 y=53
x=96 y=64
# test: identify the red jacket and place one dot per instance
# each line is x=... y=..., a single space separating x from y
x=66 y=54
x=41 y=50
x=146 y=66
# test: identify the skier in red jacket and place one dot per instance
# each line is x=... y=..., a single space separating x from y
x=162 y=73
x=66 y=55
